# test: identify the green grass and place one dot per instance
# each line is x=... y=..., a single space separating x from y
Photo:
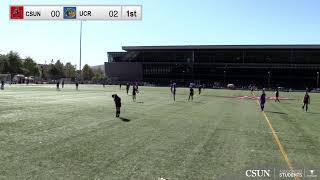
x=49 y=134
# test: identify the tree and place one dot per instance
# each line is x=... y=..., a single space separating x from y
x=3 y=61
x=56 y=71
x=14 y=64
x=53 y=72
x=99 y=75
x=87 y=72
x=11 y=63
x=69 y=70
x=44 y=72
x=60 y=68
x=30 y=68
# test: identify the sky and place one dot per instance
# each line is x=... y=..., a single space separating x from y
x=165 y=22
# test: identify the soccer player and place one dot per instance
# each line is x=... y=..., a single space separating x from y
x=62 y=84
x=173 y=91
x=77 y=85
x=134 y=93
x=306 y=101
x=58 y=85
x=200 y=88
x=277 y=95
x=117 y=101
x=2 y=85
x=262 y=100
x=191 y=94
x=127 y=88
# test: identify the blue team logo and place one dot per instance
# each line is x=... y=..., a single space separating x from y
x=69 y=12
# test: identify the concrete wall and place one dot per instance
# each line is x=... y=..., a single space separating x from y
x=124 y=71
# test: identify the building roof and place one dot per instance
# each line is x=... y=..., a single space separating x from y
x=197 y=47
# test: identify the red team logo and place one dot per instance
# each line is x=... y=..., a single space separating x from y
x=16 y=12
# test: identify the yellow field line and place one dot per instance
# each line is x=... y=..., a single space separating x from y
x=276 y=138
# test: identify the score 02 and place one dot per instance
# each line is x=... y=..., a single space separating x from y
x=113 y=14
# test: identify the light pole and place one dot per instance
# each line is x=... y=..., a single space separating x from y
x=183 y=75
x=269 y=76
x=80 y=50
x=318 y=79
x=224 y=77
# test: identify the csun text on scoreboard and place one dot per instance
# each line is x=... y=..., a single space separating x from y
x=90 y=12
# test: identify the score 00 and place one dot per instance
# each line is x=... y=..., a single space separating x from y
x=55 y=14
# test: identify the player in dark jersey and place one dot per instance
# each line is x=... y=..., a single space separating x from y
x=2 y=85
x=134 y=93
x=262 y=100
x=58 y=85
x=77 y=85
x=277 y=95
x=62 y=83
x=191 y=94
x=117 y=102
x=251 y=89
x=127 y=88
x=120 y=86
x=173 y=91
x=306 y=101
x=171 y=87
x=200 y=88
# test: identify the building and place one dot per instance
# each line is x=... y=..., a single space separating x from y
x=295 y=66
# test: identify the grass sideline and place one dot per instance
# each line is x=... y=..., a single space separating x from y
x=49 y=134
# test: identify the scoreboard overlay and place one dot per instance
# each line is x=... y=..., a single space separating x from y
x=75 y=12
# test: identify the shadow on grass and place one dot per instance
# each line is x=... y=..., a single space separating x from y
x=179 y=101
x=125 y=119
x=313 y=112
x=275 y=112
x=198 y=102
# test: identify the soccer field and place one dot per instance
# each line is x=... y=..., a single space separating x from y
x=68 y=134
